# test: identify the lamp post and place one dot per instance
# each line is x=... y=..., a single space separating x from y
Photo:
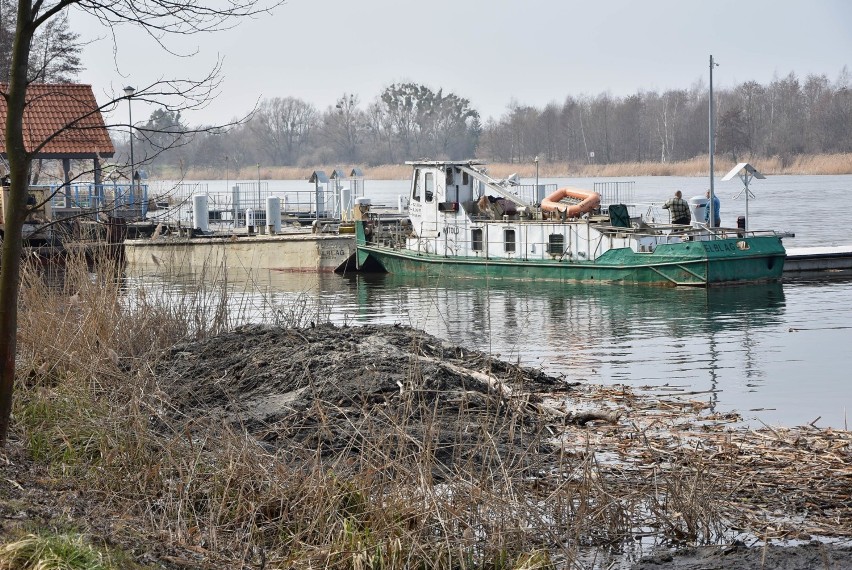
x=536 y=178
x=129 y=91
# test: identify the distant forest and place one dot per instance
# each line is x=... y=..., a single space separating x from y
x=788 y=117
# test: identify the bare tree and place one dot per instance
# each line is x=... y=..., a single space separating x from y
x=160 y=19
x=495 y=142
x=343 y=127
x=380 y=133
x=283 y=127
x=401 y=103
x=548 y=132
x=731 y=135
x=451 y=126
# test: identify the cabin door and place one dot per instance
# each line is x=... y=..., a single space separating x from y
x=429 y=210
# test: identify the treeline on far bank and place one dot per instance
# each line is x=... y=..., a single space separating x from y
x=782 y=120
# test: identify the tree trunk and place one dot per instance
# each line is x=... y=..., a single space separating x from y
x=14 y=212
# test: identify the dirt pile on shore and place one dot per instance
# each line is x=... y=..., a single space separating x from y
x=368 y=393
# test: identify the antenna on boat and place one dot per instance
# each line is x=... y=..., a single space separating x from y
x=746 y=172
x=712 y=129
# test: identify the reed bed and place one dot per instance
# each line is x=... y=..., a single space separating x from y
x=834 y=164
x=123 y=444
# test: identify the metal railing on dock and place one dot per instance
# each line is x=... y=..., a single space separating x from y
x=118 y=200
x=247 y=201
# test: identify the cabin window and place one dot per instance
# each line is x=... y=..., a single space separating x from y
x=430 y=186
x=476 y=239
x=556 y=244
x=509 y=240
x=465 y=179
x=415 y=190
x=451 y=186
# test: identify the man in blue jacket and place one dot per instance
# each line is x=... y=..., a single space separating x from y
x=716 y=218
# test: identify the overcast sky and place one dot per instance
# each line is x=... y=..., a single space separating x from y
x=488 y=51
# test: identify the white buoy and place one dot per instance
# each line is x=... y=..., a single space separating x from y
x=273 y=214
x=200 y=214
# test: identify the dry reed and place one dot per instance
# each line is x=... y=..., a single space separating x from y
x=96 y=419
x=835 y=164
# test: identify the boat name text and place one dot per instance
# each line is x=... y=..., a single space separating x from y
x=715 y=246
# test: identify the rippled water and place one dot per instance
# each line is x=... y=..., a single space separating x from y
x=778 y=354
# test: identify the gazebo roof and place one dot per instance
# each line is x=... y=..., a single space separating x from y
x=66 y=107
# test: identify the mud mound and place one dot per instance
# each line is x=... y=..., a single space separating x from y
x=371 y=393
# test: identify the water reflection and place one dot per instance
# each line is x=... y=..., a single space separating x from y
x=633 y=335
x=574 y=324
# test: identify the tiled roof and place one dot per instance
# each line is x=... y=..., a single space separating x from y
x=52 y=107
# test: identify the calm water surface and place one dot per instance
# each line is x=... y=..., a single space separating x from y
x=779 y=354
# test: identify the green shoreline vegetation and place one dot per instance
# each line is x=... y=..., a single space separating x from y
x=819 y=164
x=104 y=454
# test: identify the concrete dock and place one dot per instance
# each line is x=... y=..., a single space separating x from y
x=296 y=251
x=816 y=262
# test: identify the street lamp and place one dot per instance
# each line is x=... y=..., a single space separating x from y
x=129 y=91
x=536 y=177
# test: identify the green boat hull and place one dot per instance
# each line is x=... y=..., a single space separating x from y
x=694 y=263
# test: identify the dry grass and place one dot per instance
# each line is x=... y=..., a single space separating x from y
x=92 y=415
x=800 y=164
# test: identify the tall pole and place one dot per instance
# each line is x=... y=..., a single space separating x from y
x=712 y=217
x=536 y=179
x=746 y=180
x=129 y=91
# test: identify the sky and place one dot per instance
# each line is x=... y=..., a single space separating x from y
x=491 y=52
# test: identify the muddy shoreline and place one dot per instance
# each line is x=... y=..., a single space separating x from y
x=812 y=556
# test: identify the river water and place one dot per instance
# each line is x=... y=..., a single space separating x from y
x=779 y=354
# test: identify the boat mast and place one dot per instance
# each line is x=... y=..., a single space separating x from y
x=712 y=130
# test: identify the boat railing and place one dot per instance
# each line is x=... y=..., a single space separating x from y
x=672 y=233
x=530 y=193
x=616 y=192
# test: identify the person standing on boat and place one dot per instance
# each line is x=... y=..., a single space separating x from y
x=717 y=220
x=679 y=209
